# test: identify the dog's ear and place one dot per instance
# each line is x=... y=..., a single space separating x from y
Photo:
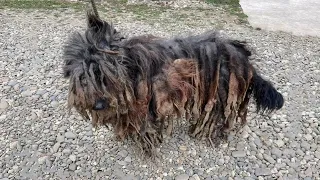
x=94 y=21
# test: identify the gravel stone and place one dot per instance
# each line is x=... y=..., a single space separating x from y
x=182 y=177
x=279 y=143
x=70 y=135
x=56 y=147
x=123 y=153
x=276 y=152
x=317 y=154
x=195 y=177
x=262 y=172
x=60 y=138
x=72 y=167
x=72 y=157
x=127 y=159
x=269 y=158
x=238 y=154
x=305 y=145
x=3 y=104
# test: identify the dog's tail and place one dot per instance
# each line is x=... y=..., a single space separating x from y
x=267 y=98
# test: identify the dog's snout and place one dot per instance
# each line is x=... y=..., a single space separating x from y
x=100 y=104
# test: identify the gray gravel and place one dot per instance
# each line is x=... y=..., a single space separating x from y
x=40 y=140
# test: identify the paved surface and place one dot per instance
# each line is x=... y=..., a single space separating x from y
x=299 y=17
x=40 y=140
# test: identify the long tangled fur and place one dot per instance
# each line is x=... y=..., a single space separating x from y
x=142 y=84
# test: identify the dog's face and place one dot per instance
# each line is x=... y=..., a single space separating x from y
x=93 y=70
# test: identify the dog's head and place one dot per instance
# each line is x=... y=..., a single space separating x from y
x=92 y=66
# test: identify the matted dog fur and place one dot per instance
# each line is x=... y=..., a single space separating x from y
x=142 y=84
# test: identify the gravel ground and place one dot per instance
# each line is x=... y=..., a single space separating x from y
x=40 y=140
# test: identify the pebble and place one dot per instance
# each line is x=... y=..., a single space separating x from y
x=13 y=144
x=193 y=152
x=42 y=159
x=27 y=123
x=238 y=154
x=308 y=172
x=279 y=143
x=127 y=159
x=123 y=153
x=54 y=104
x=308 y=137
x=269 y=158
x=12 y=83
x=60 y=138
x=276 y=152
x=72 y=157
x=26 y=93
x=262 y=172
x=55 y=147
x=66 y=151
x=183 y=148
x=3 y=104
x=182 y=177
x=70 y=135
x=72 y=167
x=305 y=145
x=195 y=177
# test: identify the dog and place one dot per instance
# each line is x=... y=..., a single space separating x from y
x=141 y=85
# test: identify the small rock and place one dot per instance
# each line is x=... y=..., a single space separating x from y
x=26 y=93
x=46 y=131
x=196 y=177
x=183 y=148
x=193 y=152
x=220 y=162
x=127 y=159
x=308 y=172
x=3 y=117
x=291 y=135
x=15 y=168
x=308 y=137
x=42 y=159
x=72 y=167
x=269 y=158
x=276 y=152
x=305 y=145
x=60 y=138
x=182 y=177
x=13 y=144
x=238 y=154
x=27 y=123
x=70 y=135
x=54 y=104
x=41 y=92
x=3 y=104
x=262 y=172
x=56 y=147
x=72 y=157
x=12 y=83
x=279 y=143
x=122 y=163
x=66 y=151
x=123 y=153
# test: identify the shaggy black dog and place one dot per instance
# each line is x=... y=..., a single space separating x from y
x=142 y=84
